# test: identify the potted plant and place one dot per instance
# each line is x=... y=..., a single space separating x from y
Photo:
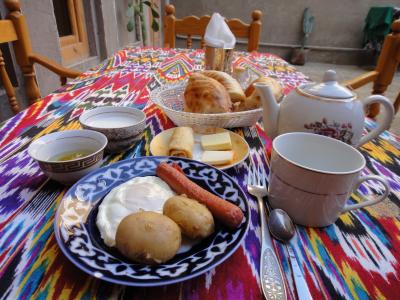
x=136 y=18
x=299 y=55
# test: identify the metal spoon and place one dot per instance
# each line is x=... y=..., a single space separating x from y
x=281 y=225
x=282 y=228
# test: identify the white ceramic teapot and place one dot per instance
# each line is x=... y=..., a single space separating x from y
x=326 y=108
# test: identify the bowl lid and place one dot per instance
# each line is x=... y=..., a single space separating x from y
x=329 y=88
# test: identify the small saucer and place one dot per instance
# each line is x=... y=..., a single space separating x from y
x=159 y=145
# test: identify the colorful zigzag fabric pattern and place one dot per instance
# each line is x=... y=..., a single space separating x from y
x=358 y=257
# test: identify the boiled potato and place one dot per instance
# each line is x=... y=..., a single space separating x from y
x=194 y=219
x=148 y=237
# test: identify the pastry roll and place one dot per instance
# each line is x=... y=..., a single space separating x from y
x=181 y=142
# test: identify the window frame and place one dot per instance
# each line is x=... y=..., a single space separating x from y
x=75 y=47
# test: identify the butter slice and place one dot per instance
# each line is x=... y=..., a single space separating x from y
x=218 y=141
x=217 y=157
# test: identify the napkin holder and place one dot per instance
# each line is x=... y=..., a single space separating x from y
x=219 y=59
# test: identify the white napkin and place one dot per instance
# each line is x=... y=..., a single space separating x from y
x=218 y=34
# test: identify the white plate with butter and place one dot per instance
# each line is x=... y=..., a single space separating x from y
x=240 y=148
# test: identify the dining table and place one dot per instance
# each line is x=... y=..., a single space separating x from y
x=357 y=257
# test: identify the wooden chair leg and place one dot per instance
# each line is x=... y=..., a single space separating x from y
x=397 y=104
x=169 y=26
x=203 y=43
x=32 y=90
x=8 y=86
x=378 y=89
x=373 y=110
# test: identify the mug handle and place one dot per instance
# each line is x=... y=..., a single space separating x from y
x=384 y=123
x=367 y=201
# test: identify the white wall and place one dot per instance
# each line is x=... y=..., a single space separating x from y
x=338 y=23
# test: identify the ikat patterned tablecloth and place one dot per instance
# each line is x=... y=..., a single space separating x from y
x=356 y=258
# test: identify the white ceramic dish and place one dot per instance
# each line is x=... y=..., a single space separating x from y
x=159 y=145
x=170 y=99
x=121 y=125
x=45 y=148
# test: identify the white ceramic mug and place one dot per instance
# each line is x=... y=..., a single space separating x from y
x=312 y=176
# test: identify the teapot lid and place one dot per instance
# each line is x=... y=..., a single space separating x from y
x=329 y=88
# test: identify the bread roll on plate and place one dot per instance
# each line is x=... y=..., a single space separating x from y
x=181 y=142
x=206 y=96
x=231 y=84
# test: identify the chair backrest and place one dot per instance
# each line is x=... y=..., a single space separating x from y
x=196 y=26
x=388 y=62
x=8 y=34
x=14 y=29
x=385 y=69
x=389 y=58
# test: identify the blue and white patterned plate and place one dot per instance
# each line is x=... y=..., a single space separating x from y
x=79 y=238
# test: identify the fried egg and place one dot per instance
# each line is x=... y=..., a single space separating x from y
x=138 y=194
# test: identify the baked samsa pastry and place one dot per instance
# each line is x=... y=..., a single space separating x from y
x=181 y=142
x=277 y=90
x=231 y=84
x=253 y=100
x=206 y=96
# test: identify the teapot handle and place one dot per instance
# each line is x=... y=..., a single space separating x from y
x=382 y=124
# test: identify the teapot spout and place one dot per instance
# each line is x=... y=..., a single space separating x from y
x=270 y=109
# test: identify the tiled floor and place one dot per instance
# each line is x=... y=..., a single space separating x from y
x=316 y=70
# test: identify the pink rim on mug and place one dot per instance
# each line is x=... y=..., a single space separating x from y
x=288 y=153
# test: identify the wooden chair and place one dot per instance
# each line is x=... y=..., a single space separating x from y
x=195 y=26
x=15 y=29
x=385 y=70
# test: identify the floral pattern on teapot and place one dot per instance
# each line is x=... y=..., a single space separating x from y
x=342 y=132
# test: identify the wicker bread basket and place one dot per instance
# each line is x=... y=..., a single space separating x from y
x=170 y=99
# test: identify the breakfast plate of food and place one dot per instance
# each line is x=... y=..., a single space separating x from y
x=151 y=221
x=212 y=145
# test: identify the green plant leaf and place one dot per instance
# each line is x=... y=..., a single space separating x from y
x=130 y=26
x=155 y=26
x=148 y=3
x=154 y=13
